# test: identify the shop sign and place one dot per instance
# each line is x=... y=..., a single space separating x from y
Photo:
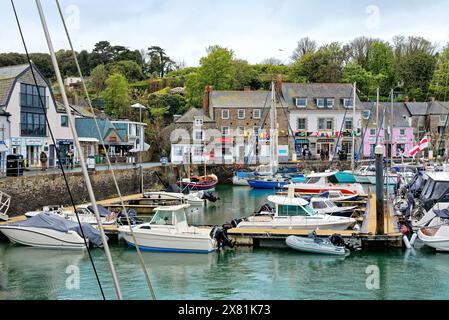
x=16 y=142
x=34 y=142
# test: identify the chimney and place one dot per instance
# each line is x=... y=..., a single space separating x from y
x=279 y=84
x=432 y=99
x=206 y=100
x=406 y=99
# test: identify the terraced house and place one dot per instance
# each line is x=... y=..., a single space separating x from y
x=29 y=133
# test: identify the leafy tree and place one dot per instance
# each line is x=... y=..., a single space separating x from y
x=381 y=62
x=272 y=61
x=359 y=50
x=367 y=82
x=12 y=59
x=101 y=54
x=305 y=46
x=159 y=63
x=83 y=59
x=66 y=63
x=116 y=96
x=43 y=62
x=440 y=81
x=99 y=76
x=245 y=75
x=130 y=69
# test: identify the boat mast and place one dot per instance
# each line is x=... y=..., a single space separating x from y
x=78 y=148
x=274 y=161
x=353 y=127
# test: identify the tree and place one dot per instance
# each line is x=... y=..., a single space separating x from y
x=12 y=59
x=305 y=46
x=440 y=81
x=116 y=96
x=101 y=54
x=272 y=61
x=245 y=75
x=381 y=62
x=159 y=63
x=66 y=63
x=367 y=82
x=83 y=59
x=43 y=62
x=99 y=76
x=130 y=69
x=359 y=50
x=216 y=70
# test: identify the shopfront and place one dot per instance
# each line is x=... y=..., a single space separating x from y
x=33 y=147
x=64 y=146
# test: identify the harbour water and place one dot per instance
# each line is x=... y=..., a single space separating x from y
x=27 y=273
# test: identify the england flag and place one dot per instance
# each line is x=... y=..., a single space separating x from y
x=423 y=144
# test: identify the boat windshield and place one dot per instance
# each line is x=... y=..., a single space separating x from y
x=313 y=180
x=162 y=218
x=330 y=204
x=285 y=210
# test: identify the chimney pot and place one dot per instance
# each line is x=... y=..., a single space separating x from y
x=406 y=99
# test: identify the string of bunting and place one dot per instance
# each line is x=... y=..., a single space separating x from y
x=329 y=135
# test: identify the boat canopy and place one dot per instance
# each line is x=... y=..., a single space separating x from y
x=173 y=208
x=438 y=176
x=444 y=214
x=287 y=201
x=57 y=223
x=335 y=177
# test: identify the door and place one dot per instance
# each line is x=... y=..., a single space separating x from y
x=52 y=156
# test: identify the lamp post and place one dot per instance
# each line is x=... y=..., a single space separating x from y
x=141 y=140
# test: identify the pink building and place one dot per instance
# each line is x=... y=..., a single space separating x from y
x=402 y=138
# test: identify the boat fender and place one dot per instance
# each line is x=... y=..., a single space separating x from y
x=406 y=242
x=413 y=240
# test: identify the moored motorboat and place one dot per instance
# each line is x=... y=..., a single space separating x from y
x=199 y=183
x=331 y=246
x=276 y=182
x=5 y=201
x=325 y=206
x=169 y=231
x=435 y=237
x=51 y=231
x=241 y=178
x=330 y=181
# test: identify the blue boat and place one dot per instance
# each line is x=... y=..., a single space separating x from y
x=299 y=178
x=268 y=183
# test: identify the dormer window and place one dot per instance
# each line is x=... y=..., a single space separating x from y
x=366 y=114
x=301 y=102
x=330 y=103
x=199 y=121
x=348 y=103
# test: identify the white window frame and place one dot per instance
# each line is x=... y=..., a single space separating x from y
x=257 y=111
x=330 y=106
x=199 y=121
x=238 y=114
x=257 y=130
x=223 y=131
x=373 y=132
x=352 y=123
x=198 y=151
x=305 y=123
x=241 y=131
x=223 y=114
x=195 y=132
x=402 y=132
x=318 y=104
x=301 y=106
x=366 y=114
x=351 y=103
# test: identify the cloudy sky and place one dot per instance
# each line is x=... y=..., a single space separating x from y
x=254 y=29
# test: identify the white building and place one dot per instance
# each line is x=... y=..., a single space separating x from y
x=30 y=135
x=5 y=138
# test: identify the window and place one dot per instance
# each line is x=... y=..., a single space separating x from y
x=225 y=114
x=325 y=124
x=199 y=121
x=301 y=102
x=163 y=218
x=373 y=132
x=348 y=103
x=366 y=114
x=257 y=114
x=29 y=96
x=178 y=151
x=257 y=131
x=33 y=125
x=320 y=103
x=443 y=119
x=400 y=148
x=348 y=124
x=241 y=131
x=64 y=121
x=198 y=151
x=198 y=135
x=241 y=114
x=296 y=211
x=225 y=131
x=402 y=132
x=302 y=124
x=330 y=103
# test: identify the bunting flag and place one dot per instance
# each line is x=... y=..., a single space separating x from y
x=422 y=145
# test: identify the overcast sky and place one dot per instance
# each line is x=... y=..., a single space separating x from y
x=254 y=29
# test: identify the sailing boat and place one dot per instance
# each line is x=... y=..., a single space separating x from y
x=272 y=180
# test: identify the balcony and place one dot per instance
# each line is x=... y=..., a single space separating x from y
x=32 y=130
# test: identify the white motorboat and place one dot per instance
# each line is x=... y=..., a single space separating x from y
x=435 y=237
x=169 y=231
x=293 y=214
x=85 y=213
x=331 y=181
x=193 y=198
x=336 y=196
x=326 y=206
x=50 y=231
x=5 y=201
x=367 y=175
x=317 y=245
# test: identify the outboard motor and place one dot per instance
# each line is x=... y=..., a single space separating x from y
x=236 y=222
x=266 y=208
x=337 y=240
x=221 y=235
x=210 y=196
x=132 y=214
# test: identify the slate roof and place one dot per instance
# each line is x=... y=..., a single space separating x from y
x=190 y=115
x=401 y=114
x=438 y=108
x=240 y=99
x=8 y=77
x=311 y=91
x=417 y=108
x=81 y=111
x=86 y=128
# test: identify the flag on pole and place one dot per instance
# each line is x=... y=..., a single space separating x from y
x=422 y=145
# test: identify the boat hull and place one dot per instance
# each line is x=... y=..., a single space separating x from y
x=43 y=238
x=310 y=246
x=169 y=242
x=318 y=190
x=260 y=184
x=438 y=242
x=236 y=181
x=292 y=225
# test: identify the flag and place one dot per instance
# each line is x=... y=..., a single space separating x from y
x=422 y=145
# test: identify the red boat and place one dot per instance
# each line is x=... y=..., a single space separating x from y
x=202 y=183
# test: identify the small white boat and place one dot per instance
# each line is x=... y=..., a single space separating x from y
x=168 y=231
x=326 y=206
x=367 y=175
x=292 y=213
x=435 y=237
x=193 y=198
x=5 y=201
x=316 y=245
x=50 y=231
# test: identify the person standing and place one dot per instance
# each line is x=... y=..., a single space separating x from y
x=44 y=159
x=69 y=159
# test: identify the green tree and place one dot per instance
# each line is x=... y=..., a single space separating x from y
x=439 y=85
x=381 y=62
x=99 y=75
x=159 y=63
x=117 y=103
x=66 y=63
x=130 y=69
x=43 y=62
x=367 y=82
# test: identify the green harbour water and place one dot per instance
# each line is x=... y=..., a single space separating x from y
x=239 y=274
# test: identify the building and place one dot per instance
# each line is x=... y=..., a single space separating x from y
x=244 y=121
x=376 y=128
x=5 y=139
x=132 y=135
x=188 y=137
x=30 y=134
x=317 y=115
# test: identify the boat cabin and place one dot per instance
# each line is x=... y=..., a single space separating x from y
x=288 y=207
x=171 y=216
x=330 y=177
x=435 y=190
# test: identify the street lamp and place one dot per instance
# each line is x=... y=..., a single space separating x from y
x=141 y=140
